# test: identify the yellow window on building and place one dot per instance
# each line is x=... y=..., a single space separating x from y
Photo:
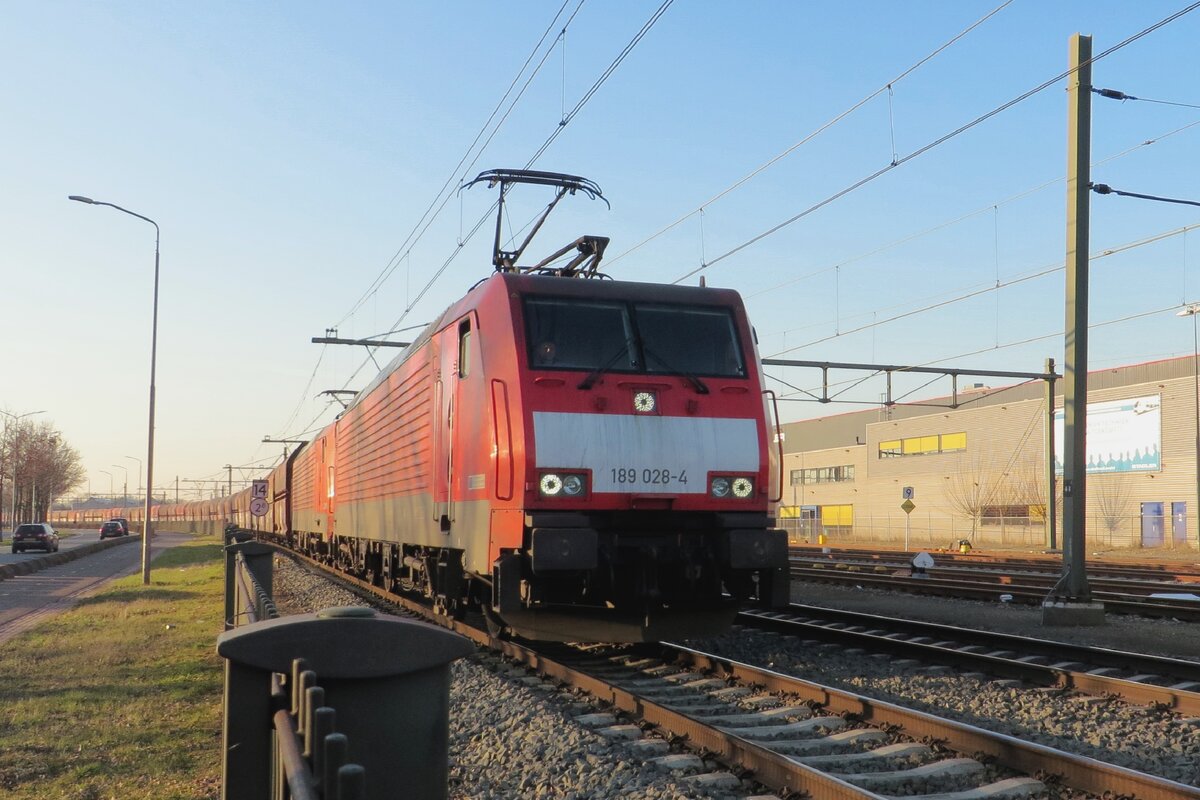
x=919 y=445
x=953 y=441
x=837 y=515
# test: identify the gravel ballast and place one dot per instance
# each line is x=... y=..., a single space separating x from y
x=512 y=736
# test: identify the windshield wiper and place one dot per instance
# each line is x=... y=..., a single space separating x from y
x=595 y=374
x=701 y=387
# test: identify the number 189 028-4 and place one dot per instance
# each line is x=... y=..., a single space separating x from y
x=659 y=476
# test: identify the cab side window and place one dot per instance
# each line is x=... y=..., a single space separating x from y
x=464 y=348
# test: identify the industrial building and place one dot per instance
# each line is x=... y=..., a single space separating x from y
x=933 y=476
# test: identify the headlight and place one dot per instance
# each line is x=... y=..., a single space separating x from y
x=720 y=487
x=562 y=484
x=743 y=487
x=644 y=402
x=551 y=484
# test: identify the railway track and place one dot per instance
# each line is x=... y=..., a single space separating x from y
x=793 y=736
x=798 y=736
x=1122 y=596
x=1177 y=572
x=1159 y=681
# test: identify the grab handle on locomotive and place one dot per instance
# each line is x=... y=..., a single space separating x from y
x=778 y=445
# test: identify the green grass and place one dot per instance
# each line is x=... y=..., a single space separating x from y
x=121 y=696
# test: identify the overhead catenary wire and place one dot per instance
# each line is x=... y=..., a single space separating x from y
x=417 y=230
x=991 y=206
x=637 y=38
x=1040 y=273
x=561 y=125
x=920 y=151
x=426 y=219
x=462 y=241
x=812 y=135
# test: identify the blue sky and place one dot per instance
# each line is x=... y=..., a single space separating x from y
x=287 y=150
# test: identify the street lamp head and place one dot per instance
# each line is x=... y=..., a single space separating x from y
x=21 y=416
x=1188 y=311
x=82 y=199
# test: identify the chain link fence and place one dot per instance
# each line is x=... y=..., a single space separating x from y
x=931 y=530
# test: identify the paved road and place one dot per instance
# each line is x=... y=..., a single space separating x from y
x=68 y=540
x=28 y=599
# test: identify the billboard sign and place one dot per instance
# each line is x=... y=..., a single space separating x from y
x=1122 y=436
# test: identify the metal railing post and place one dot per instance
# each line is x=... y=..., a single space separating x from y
x=247 y=750
x=257 y=558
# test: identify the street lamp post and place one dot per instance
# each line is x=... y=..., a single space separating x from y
x=135 y=458
x=147 y=527
x=1191 y=311
x=125 y=487
x=9 y=415
x=110 y=484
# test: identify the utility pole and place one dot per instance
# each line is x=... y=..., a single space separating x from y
x=230 y=468
x=1070 y=601
x=176 y=488
x=285 y=443
x=1051 y=500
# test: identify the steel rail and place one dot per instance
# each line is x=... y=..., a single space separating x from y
x=984 y=572
x=1182 y=701
x=769 y=768
x=781 y=773
x=1179 y=572
x=1171 y=571
x=1079 y=772
x=1023 y=592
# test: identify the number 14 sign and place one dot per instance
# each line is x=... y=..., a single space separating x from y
x=258 y=498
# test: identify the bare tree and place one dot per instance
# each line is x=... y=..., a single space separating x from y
x=38 y=466
x=975 y=484
x=1112 y=494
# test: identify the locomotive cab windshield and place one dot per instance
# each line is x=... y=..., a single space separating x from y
x=640 y=337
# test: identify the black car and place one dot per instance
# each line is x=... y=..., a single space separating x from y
x=124 y=523
x=36 y=535
x=112 y=528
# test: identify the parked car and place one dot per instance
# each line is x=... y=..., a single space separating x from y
x=36 y=535
x=112 y=528
x=123 y=522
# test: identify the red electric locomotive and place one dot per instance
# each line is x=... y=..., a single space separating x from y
x=581 y=459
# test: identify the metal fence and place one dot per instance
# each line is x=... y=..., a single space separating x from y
x=931 y=530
